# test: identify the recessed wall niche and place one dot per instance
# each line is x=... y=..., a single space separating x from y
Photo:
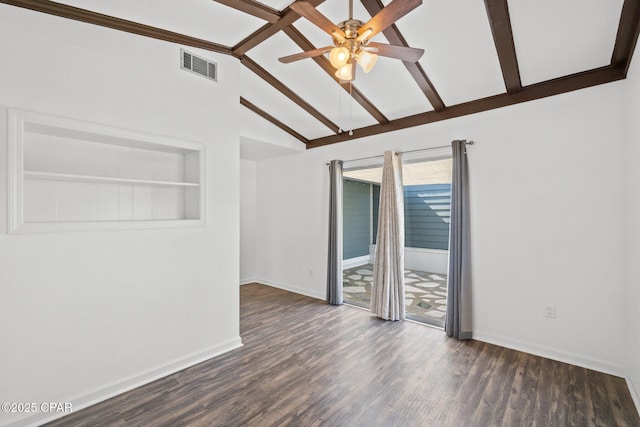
x=67 y=175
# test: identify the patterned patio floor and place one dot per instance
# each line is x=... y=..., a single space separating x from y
x=425 y=293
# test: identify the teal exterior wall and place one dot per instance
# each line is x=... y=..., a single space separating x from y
x=376 y=207
x=356 y=203
x=427 y=216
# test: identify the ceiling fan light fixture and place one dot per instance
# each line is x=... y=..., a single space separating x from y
x=351 y=38
x=367 y=60
x=339 y=56
x=344 y=73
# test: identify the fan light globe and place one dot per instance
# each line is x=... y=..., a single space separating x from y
x=367 y=60
x=339 y=56
x=344 y=73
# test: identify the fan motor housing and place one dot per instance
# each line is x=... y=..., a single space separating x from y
x=350 y=28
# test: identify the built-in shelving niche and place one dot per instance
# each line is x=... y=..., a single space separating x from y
x=67 y=175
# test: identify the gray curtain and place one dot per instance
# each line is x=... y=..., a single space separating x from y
x=334 y=265
x=387 y=293
x=458 y=319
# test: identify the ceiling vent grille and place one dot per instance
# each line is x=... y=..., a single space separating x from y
x=198 y=65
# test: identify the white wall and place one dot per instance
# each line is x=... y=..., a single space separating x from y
x=247 y=221
x=432 y=260
x=633 y=233
x=87 y=314
x=548 y=221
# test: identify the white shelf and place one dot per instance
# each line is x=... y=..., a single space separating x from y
x=70 y=175
x=47 y=227
x=53 y=176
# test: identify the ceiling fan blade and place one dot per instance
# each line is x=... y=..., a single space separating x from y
x=305 y=9
x=387 y=16
x=304 y=55
x=407 y=54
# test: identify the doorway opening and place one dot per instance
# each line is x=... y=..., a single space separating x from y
x=427 y=212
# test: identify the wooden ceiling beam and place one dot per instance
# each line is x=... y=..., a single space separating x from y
x=529 y=93
x=83 y=15
x=282 y=88
x=244 y=102
x=419 y=75
x=394 y=37
x=288 y=17
x=500 y=22
x=262 y=34
x=627 y=37
x=626 y=40
x=305 y=44
x=253 y=8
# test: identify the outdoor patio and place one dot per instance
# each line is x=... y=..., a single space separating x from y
x=425 y=292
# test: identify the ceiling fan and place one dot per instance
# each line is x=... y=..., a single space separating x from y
x=351 y=38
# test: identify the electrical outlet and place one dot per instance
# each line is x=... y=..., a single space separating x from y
x=310 y=273
x=550 y=311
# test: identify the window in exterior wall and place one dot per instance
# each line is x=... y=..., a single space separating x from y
x=427 y=215
x=427 y=204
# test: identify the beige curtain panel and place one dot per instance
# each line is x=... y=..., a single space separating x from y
x=387 y=294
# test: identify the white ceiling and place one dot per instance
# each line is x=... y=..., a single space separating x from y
x=555 y=38
x=552 y=38
x=203 y=19
x=460 y=57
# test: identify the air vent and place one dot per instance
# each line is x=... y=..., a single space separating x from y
x=198 y=65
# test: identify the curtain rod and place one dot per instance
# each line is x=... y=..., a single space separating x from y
x=404 y=152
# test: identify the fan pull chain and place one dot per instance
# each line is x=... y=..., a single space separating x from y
x=350 y=109
x=339 y=108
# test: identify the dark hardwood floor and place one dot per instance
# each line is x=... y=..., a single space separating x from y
x=305 y=363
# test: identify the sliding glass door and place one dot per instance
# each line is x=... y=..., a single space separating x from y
x=427 y=193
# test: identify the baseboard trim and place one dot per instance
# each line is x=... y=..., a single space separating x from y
x=247 y=281
x=355 y=262
x=91 y=397
x=549 y=353
x=290 y=288
x=633 y=390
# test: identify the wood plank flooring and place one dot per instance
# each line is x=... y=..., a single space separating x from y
x=305 y=363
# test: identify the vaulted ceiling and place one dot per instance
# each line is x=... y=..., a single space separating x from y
x=479 y=55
